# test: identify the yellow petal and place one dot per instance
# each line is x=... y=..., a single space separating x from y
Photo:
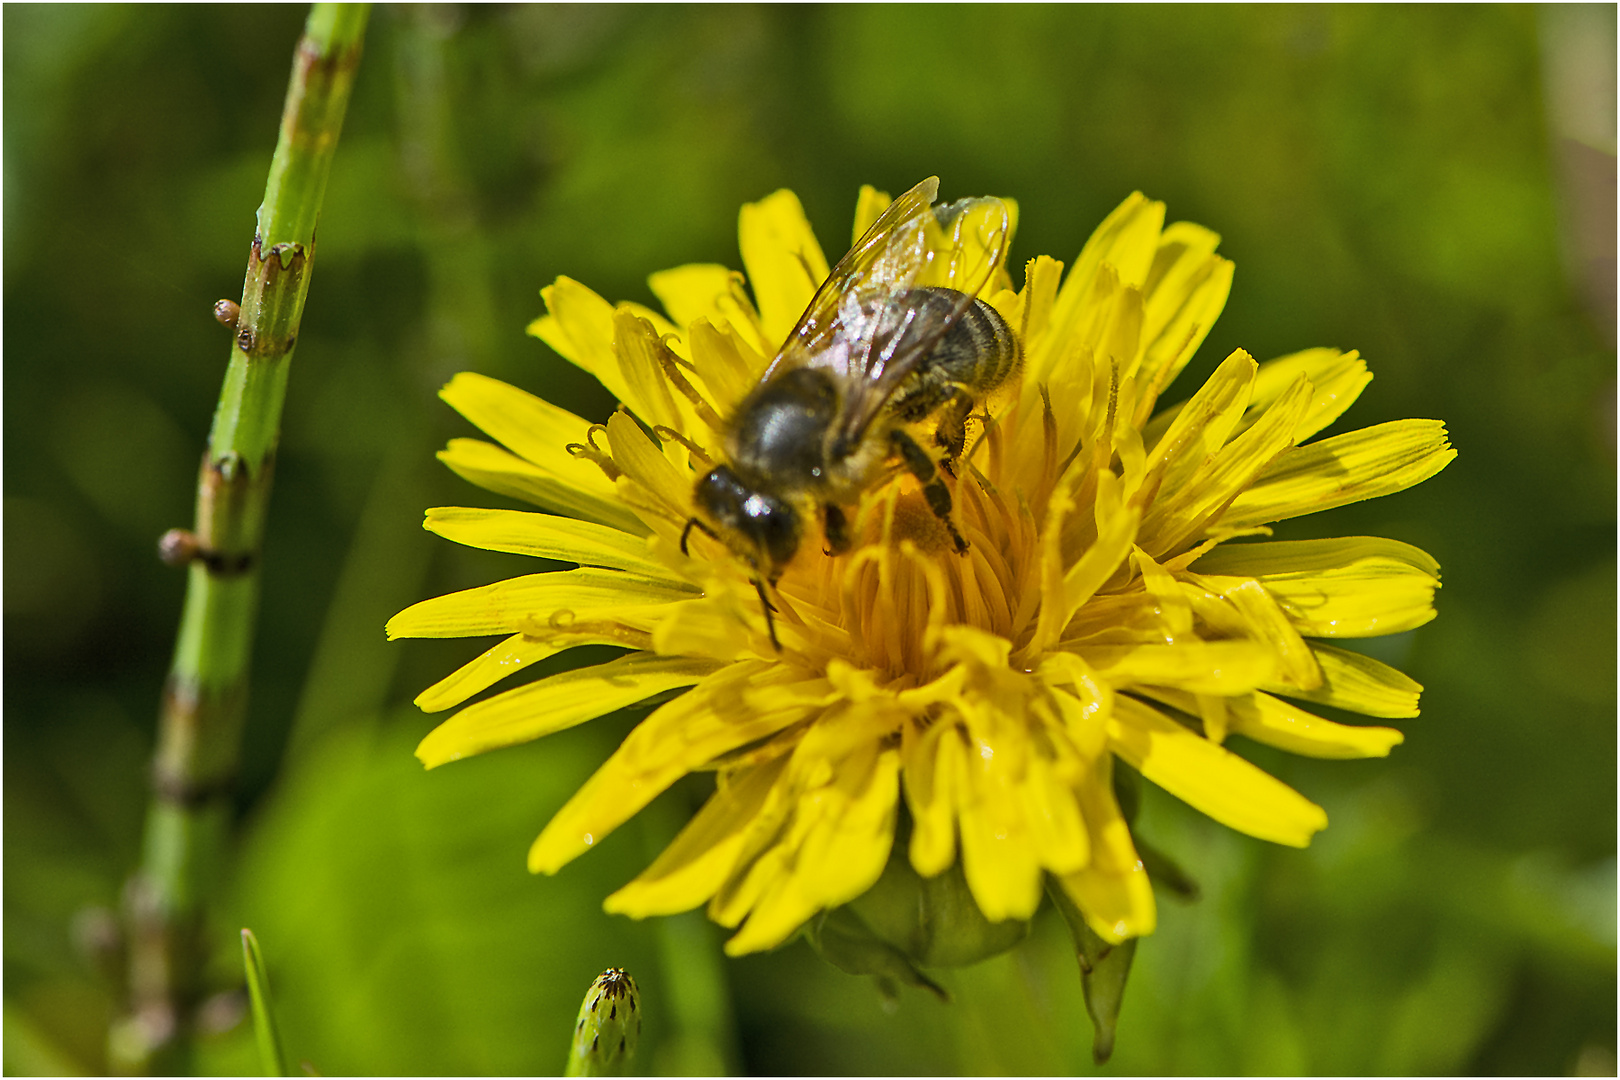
x=1180 y=517
x=713 y=293
x=692 y=868
x=1066 y=592
x=783 y=906
x=702 y=627
x=504 y=473
x=581 y=330
x=1130 y=618
x=763 y=861
x=1113 y=890
x=545 y=536
x=1084 y=707
x=728 y=365
x=1041 y=277
x=1180 y=262
x=1264 y=620
x=1203 y=667
x=741 y=703
x=532 y=600
x=1337 y=378
x=1118 y=254
x=1286 y=726
x=784 y=262
x=1287 y=559
x=1203 y=427
x=1052 y=819
x=843 y=854
x=528 y=425
x=1359 y=586
x=646 y=389
x=1166 y=592
x=1344 y=469
x=1127 y=240
x=1360 y=684
x=695 y=291
x=559 y=702
x=496 y=663
x=1211 y=779
x=836 y=848
x=645 y=462
x=933 y=764
x=967 y=246
x=1189 y=298
x=1001 y=868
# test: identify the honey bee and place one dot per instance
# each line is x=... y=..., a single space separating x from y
x=894 y=337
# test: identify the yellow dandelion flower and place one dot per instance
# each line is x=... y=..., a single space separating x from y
x=1097 y=609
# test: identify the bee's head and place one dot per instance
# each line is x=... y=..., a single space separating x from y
x=758 y=524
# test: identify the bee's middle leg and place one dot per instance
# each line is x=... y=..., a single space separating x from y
x=933 y=485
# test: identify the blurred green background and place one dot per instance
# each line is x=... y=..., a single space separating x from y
x=1432 y=186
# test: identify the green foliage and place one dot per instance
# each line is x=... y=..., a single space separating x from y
x=1386 y=179
x=265 y=1029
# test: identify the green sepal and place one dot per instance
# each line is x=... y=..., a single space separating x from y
x=1104 y=968
x=1165 y=871
x=842 y=938
x=934 y=921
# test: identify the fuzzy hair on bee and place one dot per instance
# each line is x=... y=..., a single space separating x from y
x=895 y=337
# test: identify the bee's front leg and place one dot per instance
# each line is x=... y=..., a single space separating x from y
x=836 y=528
x=934 y=489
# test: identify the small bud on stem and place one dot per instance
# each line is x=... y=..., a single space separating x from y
x=608 y=1026
x=178 y=547
x=227 y=312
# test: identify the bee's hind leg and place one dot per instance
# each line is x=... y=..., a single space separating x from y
x=934 y=489
x=952 y=430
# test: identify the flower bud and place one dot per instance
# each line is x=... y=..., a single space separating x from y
x=608 y=1026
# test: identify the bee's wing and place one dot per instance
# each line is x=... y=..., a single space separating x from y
x=865 y=268
x=958 y=247
x=862 y=328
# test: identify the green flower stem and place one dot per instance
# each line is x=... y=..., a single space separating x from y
x=200 y=724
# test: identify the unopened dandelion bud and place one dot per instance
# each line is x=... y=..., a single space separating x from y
x=608 y=1026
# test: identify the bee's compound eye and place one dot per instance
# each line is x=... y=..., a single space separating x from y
x=767 y=523
x=720 y=494
x=773 y=525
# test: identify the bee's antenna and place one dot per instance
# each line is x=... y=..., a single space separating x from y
x=765 y=605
